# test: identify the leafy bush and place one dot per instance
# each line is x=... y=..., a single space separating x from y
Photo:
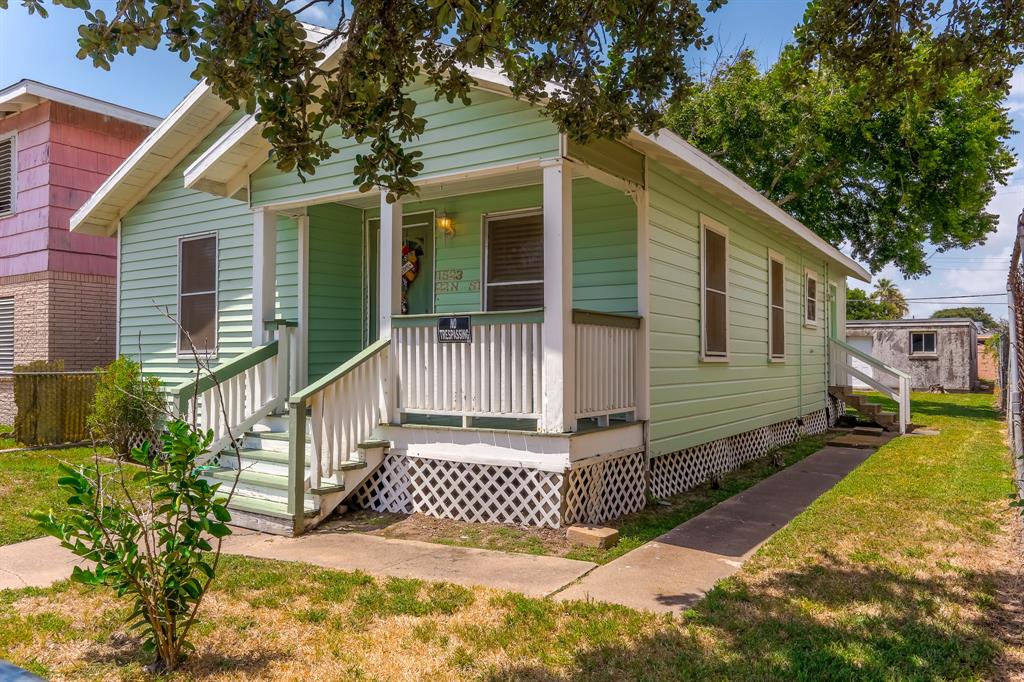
x=146 y=532
x=126 y=406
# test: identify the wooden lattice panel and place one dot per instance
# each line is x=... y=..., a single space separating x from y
x=783 y=433
x=481 y=493
x=816 y=422
x=387 y=488
x=836 y=409
x=748 y=445
x=678 y=471
x=604 y=490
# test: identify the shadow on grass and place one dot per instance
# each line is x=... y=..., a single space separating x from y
x=831 y=620
x=939 y=405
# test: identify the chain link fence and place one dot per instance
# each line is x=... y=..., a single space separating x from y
x=1011 y=355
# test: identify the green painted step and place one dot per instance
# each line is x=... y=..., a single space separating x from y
x=256 y=506
x=273 y=435
x=256 y=478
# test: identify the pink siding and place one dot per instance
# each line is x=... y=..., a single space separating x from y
x=64 y=154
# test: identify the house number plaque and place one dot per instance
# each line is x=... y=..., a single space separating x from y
x=454 y=329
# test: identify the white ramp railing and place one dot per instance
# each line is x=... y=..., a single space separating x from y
x=606 y=362
x=897 y=388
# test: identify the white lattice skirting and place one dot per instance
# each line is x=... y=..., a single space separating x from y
x=589 y=492
x=676 y=472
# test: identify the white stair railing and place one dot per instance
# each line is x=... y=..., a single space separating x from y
x=345 y=407
x=898 y=387
x=233 y=396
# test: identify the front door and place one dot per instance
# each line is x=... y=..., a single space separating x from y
x=417 y=267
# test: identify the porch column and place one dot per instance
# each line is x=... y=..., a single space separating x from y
x=264 y=271
x=389 y=253
x=557 y=330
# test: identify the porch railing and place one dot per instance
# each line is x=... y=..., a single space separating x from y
x=606 y=361
x=235 y=395
x=344 y=408
x=497 y=375
x=897 y=387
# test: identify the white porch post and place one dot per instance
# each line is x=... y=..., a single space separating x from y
x=557 y=331
x=264 y=271
x=389 y=298
x=389 y=253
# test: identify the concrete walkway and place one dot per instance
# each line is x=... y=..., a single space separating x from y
x=532 y=575
x=671 y=573
x=42 y=562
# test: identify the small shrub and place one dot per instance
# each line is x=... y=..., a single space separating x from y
x=126 y=406
x=159 y=545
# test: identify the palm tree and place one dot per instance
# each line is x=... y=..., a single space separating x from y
x=887 y=293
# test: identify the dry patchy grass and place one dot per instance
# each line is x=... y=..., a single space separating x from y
x=902 y=571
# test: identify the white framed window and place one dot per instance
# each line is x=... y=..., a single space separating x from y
x=514 y=260
x=922 y=343
x=6 y=335
x=197 y=294
x=8 y=173
x=776 y=306
x=714 y=290
x=810 y=298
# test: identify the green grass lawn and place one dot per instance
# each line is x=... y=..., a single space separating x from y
x=891 y=575
x=28 y=481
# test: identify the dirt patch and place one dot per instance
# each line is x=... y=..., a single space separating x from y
x=496 y=536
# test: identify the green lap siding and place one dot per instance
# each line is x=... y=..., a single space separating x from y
x=335 y=287
x=287 y=268
x=149 y=269
x=493 y=130
x=693 y=402
x=604 y=246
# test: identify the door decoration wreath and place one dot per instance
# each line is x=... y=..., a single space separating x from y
x=411 y=254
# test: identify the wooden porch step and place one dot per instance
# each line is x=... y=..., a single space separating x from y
x=871 y=411
x=273 y=435
x=255 y=478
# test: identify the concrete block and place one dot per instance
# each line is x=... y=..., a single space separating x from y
x=592 y=536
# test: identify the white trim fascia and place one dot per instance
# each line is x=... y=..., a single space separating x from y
x=709 y=223
x=136 y=157
x=425 y=181
x=117 y=295
x=672 y=144
x=26 y=90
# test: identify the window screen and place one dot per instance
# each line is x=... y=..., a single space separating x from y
x=922 y=342
x=8 y=174
x=515 y=262
x=715 y=295
x=811 y=304
x=6 y=335
x=197 y=294
x=777 y=312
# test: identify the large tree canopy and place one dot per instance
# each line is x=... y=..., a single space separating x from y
x=879 y=126
x=976 y=313
x=891 y=180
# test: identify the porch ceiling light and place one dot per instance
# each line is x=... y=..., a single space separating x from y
x=446 y=224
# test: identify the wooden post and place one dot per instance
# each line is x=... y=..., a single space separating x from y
x=389 y=302
x=557 y=331
x=297 y=465
x=264 y=271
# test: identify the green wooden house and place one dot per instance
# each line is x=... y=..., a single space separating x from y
x=542 y=334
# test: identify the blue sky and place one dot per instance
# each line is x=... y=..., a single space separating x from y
x=155 y=82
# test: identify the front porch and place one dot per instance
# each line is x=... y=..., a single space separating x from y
x=513 y=403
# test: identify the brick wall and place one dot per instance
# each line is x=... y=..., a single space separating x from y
x=59 y=316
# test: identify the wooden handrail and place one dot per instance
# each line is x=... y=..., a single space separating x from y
x=870 y=359
x=479 y=316
x=606 y=319
x=186 y=390
x=338 y=372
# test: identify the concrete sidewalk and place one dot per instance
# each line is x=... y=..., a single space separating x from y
x=532 y=575
x=42 y=562
x=672 y=572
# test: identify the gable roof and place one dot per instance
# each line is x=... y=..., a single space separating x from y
x=28 y=93
x=223 y=169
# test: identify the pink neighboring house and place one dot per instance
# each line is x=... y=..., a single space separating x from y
x=57 y=288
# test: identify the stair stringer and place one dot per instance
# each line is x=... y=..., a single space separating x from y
x=372 y=453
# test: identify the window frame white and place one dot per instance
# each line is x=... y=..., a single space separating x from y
x=774 y=256
x=210 y=354
x=485 y=235
x=934 y=352
x=811 y=275
x=13 y=137
x=710 y=224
